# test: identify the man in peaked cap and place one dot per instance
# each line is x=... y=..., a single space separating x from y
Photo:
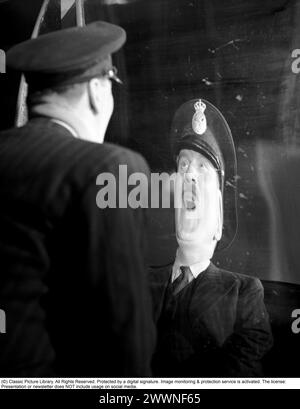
x=211 y=322
x=72 y=275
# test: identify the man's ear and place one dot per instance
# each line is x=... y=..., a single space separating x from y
x=219 y=228
x=93 y=94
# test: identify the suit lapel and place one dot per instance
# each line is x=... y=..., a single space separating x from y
x=209 y=288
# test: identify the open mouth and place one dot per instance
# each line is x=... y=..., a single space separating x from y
x=189 y=201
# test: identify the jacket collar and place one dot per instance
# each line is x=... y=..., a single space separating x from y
x=65 y=115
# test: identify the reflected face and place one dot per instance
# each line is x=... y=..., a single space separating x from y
x=198 y=212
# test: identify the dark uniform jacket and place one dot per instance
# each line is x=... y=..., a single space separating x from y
x=72 y=276
x=216 y=326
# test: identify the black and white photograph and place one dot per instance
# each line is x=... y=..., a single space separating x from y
x=149 y=195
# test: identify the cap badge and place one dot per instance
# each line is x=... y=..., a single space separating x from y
x=199 y=122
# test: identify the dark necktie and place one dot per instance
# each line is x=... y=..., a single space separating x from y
x=182 y=280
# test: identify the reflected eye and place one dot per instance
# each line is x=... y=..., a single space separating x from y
x=183 y=165
x=203 y=167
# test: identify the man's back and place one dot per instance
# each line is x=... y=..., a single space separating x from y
x=72 y=276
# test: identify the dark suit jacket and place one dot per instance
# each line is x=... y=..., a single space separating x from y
x=216 y=326
x=72 y=276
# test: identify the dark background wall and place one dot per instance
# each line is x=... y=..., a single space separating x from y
x=236 y=54
x=17 y=22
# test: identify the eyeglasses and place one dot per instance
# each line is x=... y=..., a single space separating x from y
x=112 y=74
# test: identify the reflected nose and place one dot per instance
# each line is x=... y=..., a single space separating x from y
x=189 y=178
x=190 y=175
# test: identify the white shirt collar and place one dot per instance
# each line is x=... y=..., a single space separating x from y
x=196 y=268
x=65 y=125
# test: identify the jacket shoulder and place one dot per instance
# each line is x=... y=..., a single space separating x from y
x=58 y=152
x=243 y=281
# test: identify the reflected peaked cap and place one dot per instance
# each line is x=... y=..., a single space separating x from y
x=198 y=125
x=67 y=56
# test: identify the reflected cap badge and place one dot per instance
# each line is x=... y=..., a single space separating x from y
x=199 y=122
